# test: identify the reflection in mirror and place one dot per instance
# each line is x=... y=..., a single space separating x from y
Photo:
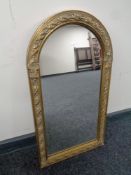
x=70 y=63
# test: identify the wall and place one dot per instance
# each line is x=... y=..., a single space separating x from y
x=57 y=55
x=18 y=21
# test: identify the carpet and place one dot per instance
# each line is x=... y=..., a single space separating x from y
x=114 y=158
x=71 y=108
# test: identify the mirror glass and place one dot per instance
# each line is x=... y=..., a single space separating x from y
x=70 y=65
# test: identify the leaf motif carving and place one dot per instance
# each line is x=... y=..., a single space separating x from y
x=39 y=38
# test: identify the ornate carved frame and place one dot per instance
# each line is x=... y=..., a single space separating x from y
x=39 y=38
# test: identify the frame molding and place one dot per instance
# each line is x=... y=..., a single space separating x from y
x=39 y=38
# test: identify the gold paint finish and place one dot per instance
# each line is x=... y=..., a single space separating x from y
x=39 y=38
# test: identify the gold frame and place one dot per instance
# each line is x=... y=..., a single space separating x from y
x=39 y=38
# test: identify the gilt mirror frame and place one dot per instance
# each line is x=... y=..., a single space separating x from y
x=39 y=38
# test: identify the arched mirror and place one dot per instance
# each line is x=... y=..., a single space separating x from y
x=70 y=70
x=69 y=65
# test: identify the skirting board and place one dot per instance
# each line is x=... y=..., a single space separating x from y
x=27 y=140
x=58 y=74
x=17 y=143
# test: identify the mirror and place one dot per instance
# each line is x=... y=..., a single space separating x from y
x=69 y=62
x=70 y=69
